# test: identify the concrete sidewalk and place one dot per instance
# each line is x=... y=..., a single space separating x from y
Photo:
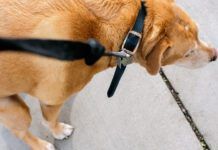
x=142 y=115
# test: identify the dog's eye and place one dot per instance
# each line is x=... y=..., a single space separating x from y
x=189 y=53
x=192 y=51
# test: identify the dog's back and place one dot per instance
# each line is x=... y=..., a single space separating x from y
x=52 y=19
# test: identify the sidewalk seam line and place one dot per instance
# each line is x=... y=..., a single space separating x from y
x=185 y=111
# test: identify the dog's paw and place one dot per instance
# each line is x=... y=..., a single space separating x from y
x=49 y=146
x=43 y=145
x=62 y=131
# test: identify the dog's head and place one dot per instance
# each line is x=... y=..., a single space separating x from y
x=173 y=39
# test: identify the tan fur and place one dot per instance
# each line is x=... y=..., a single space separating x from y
x=165 y=40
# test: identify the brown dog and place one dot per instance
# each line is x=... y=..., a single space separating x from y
x=169 y=37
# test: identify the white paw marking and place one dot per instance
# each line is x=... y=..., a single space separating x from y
x=66 y=129
x=43 y=145
x=49 y=146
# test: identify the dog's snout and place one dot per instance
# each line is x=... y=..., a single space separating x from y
x=214 y=58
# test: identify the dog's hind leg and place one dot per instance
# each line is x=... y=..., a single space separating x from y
x=59 y=130
x=15 y=115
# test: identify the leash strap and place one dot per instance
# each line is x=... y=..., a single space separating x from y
x=59 y=49
x=130 y=46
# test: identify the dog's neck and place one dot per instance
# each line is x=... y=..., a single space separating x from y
x=115 y=19
x=110 y=31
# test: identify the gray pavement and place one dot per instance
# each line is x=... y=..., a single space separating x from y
x=142 y=115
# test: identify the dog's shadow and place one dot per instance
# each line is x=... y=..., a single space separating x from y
x=10 y=141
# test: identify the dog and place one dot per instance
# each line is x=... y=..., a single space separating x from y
x=170 y=36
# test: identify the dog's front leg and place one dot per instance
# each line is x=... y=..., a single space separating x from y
x=59 y=130
x=15 y=115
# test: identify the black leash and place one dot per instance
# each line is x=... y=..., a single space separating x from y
x=130 y=46
x=91 y=51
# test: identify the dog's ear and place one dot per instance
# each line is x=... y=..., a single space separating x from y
x=154 y=58
x=154 y=36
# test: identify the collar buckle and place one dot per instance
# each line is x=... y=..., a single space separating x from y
x=130 y=47
x=135 y=34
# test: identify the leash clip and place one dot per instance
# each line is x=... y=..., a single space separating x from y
x=124 y=61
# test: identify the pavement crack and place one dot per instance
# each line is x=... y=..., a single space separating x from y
x=185 y=111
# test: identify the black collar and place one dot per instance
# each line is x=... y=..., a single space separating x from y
x=129 y=48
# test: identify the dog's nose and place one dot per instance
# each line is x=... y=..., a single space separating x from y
x=214 y=58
